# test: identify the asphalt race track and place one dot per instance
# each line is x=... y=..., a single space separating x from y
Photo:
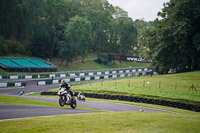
x=22 y=111
x=11 y=111
x=105 y=106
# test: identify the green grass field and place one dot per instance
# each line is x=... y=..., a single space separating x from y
x=110 y=122
x=25 y=101
x=107 y=122
x=182 y=121
x=134 y=87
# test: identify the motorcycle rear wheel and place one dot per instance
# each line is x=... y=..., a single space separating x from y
x=73 y=103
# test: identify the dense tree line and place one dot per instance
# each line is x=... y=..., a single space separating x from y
x=68 y=28
x=64 y=28
x=174 y=42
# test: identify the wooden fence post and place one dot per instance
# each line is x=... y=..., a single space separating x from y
x=143 y=83
x=175 y=85
x=159 y=84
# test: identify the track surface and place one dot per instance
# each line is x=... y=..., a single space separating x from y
x=11 y=111
x=22 y=111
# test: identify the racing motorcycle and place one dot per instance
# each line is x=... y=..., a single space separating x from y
x=66 y=99
x=80 y=97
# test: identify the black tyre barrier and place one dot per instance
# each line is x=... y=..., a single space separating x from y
x=137 y=99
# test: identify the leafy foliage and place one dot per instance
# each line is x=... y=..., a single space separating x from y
x=77 y=38
x=174 y=42
x=37 y=25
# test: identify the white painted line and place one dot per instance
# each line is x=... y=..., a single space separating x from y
x=42 y=83
x=18 y=84
x=98 y=73
x=127 y=71
x=67 y=80
x=90 y=74
x=87 y=78
x=107 y=72
x=72 y=75
x=55 y=81
x=97 y=77
x=62 y=75
x=105 y=77
x=120 y=71
x=14 y=77
x=82 y=74
x=77 y=79
x=113 y=72
x=52 y=75
x=28 y=77
x=3 y=84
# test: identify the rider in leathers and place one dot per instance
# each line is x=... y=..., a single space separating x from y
x=67 y=87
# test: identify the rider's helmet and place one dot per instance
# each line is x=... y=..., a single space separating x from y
x=63 y=82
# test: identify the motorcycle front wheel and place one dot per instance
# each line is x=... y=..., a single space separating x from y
x=61 y=101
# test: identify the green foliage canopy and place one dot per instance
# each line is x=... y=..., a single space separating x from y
x=36 y=25
x=174 y=41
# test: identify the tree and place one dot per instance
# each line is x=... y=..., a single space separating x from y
x=77 y=38
x=143 y=29
x=174 y=43
x=128 y=35
x=79 y=35
x=40 y=43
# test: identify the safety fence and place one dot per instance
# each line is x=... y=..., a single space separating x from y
x=97 y=76
x=16 y=84
x=71 y=76
x=77 y=73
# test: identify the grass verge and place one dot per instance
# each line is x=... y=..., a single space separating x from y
x=25 y=101
x=126 y=102
x=161 y=87
x=107 y=122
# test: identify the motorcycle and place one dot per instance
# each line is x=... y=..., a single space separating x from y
x=21 y=93
x=80 y=97
x=66 y=99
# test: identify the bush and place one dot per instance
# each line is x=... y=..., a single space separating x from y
x=102 y=61
x=9 y=46
x=3 y=46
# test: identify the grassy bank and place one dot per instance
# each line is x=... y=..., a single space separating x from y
x=89 y=64
x=107 y=122
x=164 y=87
